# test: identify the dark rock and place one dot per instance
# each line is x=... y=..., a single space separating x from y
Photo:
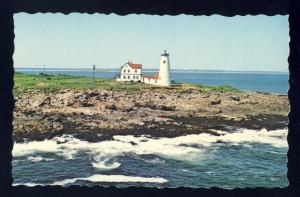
x=221 y=142
x=94 y=94
x=85 y=104
x=235 y=98
x=166 y=108
x=133 y=143
x=215 y=102
x=162 y=97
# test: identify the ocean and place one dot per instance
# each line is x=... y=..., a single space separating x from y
x=247 y=158
x=271 y=82
x=233 y=159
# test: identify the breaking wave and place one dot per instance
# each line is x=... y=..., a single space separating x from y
x=189 y=147
x=38 y=158
x=276 y=138
x=97 y=178
x=28 y=184
x=113 y=179
x=105 y=164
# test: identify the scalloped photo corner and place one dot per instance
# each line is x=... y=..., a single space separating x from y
x=150 y=101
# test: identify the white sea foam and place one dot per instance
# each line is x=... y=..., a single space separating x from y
x=209 y=172
x=38 y=158
x=189 y=147
x=21 y=149
x=113 y=179
x=156 y=160
x=276 y=138
x=105 y=164
x=34 y=159
x=28 y=184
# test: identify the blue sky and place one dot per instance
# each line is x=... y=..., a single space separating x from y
x=240 y=43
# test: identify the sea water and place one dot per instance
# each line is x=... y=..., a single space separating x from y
x=243 y=158
x=271 y=82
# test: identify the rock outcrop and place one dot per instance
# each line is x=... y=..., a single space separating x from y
x=43 y=114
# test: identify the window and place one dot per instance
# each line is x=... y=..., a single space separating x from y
x=135 y=70
x=128 y=77
x=129 y=70
x=133 y=77
x=124 y=77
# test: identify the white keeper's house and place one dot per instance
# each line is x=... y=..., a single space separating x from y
x=130 y=72
x=133 y=73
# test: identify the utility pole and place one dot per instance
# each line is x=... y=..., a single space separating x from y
x=44 y=75
x=94 y=68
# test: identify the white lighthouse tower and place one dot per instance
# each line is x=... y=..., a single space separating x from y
x=164 y=70
x=163 y=77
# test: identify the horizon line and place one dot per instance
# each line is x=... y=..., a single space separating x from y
x=175 y=69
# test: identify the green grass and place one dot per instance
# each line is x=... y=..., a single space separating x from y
x=216 y=88
x=57 y=82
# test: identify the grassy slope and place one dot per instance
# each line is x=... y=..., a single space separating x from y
x=56 y=82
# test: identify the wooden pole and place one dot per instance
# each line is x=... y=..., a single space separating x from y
x=94 y=68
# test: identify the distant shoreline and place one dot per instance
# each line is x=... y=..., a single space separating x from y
x=154 y=69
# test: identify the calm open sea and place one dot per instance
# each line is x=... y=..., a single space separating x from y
x=243 y=158
x=272 y=82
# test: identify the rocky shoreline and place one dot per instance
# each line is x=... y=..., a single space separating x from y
x=96 y=115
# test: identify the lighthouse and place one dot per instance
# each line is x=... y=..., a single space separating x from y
x=164 y=70
x=163 y=76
